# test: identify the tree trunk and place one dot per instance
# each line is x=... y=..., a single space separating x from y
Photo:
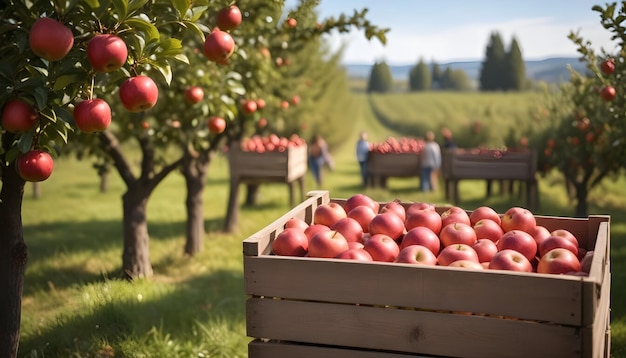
x=136 y=255
x=36 y=190
x=582 y=192
x=194 y=169
x=104 y=181
x=13 y=255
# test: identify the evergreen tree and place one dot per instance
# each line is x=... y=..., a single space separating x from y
x=515 y=68
x=380 y=78
x=456 y=80
x=436 y=75
x=493 y=67
x=419 y=77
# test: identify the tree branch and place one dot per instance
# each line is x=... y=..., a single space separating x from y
x=111 y=145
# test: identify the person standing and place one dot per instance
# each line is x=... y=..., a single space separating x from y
x=430 y=162
x=448 y=140
x=362 y=155
x=318 y=157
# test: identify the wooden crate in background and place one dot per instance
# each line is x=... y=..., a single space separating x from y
x=309 y=307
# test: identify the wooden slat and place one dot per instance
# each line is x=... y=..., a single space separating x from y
x=394 y=164
x=450 y=335
x=594 y=337
x=545 y=297
x=275 y=349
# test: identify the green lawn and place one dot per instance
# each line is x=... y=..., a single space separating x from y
x=74 y=305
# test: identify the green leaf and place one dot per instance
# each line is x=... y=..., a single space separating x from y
x=50 y=115
x=65 y=80
x=197 y=12
x=182 y=58
x=121 y=7
x=181 y=6
x=41 y=97
x=151 y=32
x=135 y=5
x=195 y=28
x=170 y=47
x=25 y=142
x=164 y=68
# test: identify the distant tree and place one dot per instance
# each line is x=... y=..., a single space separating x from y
x=493 y=67
x=456 y=80
x=515 y=70
x=419 y=77
x=436 y=74
x=380 y=78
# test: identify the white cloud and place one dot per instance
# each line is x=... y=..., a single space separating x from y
x=537 y=37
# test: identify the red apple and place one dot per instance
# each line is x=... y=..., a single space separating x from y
x=387 y=223
x=262 y=123
x=35 y=165
x=328 y=214
x=229 y=18
x=194 y=94
x=485 y=249
x=585 y=263
x=295 y=100
x=608 y=93
x=519 y=241
x=218 y=46
x=457 y=233
x=314 y=229
x=216 y=124
x=510 y=260
x=484 y=212
x=139 y=93
x=454 y=214
x=423 y=236
x=355 y=254
x=296 y=223
x=427 y=218
x=291 y=22
x=92 y=115
x=284 y=104
x=290 y=242
x=349 y=228
x=566 y=234
x=106 y=53
x=416 y=254
x=327 y=244
x=396 y=208
x=419 y=206
x=468 y=264
x=517 y=218
x=456 y=252
x=361 y=199
x=553 y=242
x=608 y=66
x=488 y=229
x=382 y=247
x=363 y=215
x=249 y=107
x=559 y=261
x=50 y=39
x=539 y=233
x=18 y=116
x=356 y=245
x=260 y=103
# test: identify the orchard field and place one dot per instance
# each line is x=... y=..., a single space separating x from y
x=75 y=305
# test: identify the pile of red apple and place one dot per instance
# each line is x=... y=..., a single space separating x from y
x=415 y=233
x=271 y=143
x=398 y=145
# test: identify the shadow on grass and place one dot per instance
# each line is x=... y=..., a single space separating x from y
x=218 y=296
x=92 y=238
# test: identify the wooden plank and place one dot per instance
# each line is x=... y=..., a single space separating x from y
x=594 y=336
x=553 y=298
x=273 y=349
x=451 y=335
x=394 y=164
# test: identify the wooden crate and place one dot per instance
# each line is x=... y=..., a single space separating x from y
x=309 y=307
x=382 y=166
x=277 y=166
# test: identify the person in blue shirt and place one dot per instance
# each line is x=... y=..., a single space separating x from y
x=362 y=154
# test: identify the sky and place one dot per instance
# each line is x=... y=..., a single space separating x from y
x=459 y=30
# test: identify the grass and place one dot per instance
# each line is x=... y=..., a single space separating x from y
x=74 y=305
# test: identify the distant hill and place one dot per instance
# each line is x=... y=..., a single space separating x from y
x=551 y=70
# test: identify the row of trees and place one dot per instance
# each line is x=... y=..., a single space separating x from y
x=166 y=41
x=501 y=70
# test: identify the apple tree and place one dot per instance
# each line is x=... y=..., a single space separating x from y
x=586 y=141
x=47 y=75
